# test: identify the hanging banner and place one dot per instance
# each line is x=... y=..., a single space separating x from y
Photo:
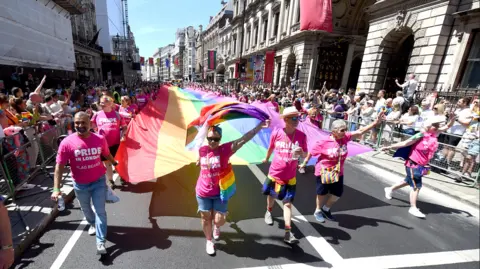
x=142 y=60
x=316 y=15
x=175 y=61
x=258 y=69
x=269 y=65
x=167 y=63
x=150 y=61
x=212 y=59
x=249 y=70
x=237 y=70
x=157 y=61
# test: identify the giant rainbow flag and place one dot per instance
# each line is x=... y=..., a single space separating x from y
x=156 y=138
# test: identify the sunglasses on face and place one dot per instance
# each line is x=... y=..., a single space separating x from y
x=342 y=130
x=294 y=118
x=213 y=139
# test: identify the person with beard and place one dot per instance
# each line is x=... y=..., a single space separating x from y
x=83 y=151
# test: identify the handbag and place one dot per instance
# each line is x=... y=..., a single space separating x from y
x=331 y=175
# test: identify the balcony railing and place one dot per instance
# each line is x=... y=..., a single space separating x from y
x=74 y=7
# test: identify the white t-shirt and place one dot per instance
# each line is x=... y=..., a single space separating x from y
x=423 y=117
x=411 y=87
x=379 y=104
x=463 y=114
x=409 y=118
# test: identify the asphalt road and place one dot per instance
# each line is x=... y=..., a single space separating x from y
x=155 y=225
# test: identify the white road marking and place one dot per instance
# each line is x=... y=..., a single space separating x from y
x=413 y=260
x=323 y=248
x=286 y=266
x=57 y=264
x=425 y=195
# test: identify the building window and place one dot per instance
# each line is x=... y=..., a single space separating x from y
x=236 y=8
x=255 y=40
x=276 y=24
x=470 y=78
x=298 y=15
x=265 y=29
x=234 y=46
x=248 y=39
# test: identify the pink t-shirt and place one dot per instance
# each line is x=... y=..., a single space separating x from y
x=424 y=150
x=83 y=154
x=327 y=152
x=109 y=124
x=142 y=100
x=208 y=180
x=127 y=113
x=283 y=167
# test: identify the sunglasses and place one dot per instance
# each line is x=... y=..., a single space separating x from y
x=213 y=139
x=342 y=130
x=294 y=118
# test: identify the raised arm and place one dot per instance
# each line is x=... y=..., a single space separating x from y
x=237 y=144
x=412 y=140
x=358 y=133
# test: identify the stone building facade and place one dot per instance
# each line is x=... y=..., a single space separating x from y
x=312 y=57
x=434 y=39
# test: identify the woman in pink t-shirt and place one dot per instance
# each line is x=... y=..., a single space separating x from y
x=110 y=124
x=214 y=162
x=332 y=151
x=142 y=99
x=288 y=144
x=127 y=110
x=423 y=147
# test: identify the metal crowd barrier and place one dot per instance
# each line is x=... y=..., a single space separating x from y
x=23 y=157
x=387 y=133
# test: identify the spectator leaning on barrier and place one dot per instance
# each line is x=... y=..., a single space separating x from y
x=463 y=117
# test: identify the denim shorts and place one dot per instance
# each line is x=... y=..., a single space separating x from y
x=207 y=204
x=417 y=177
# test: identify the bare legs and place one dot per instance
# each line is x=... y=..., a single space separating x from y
x=331 y=200
x=208 y=221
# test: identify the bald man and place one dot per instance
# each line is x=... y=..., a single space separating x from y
x=83 y=150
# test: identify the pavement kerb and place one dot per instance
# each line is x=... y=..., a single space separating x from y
x=68 y=196
x=430 y=186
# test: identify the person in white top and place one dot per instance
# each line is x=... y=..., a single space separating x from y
x=409 y=87
x=463 y=116
x=426 y=113
x=381 y=100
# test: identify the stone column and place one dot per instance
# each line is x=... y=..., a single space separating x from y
x=348 y=64
x=282 y=16
x=252 y=33
x=295 y=10
x=270 y=24
x=293 y=15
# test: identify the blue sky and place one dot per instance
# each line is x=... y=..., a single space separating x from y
x=154 y=22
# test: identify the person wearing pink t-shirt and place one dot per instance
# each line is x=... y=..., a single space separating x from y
x=333 y=151
x=142 y=99
x=423 y=146
x=110 y=124
x=127 y=110
x=214 y=162
x=281 y=180
x=83 y=150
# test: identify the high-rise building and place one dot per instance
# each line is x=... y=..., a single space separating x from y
x=189 y=54
x=178 y=53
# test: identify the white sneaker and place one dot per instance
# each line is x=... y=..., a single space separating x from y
x=216 y=232
x=101 y=250
x=268 y=218
x=210 y=248
x=416 y=212
x=388 y=193
x=92 y=230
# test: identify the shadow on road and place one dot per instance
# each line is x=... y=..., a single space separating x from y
x=429 y=208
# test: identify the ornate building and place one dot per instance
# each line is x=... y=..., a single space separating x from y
x=438 y=40
x=312 y=57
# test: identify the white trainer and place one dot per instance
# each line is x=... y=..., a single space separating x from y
x=416 y=212
x=92 y=230
x=210 y=248
x=388 y=193
x=268 y=218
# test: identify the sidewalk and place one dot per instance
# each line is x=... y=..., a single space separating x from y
x=36 y=208
x=434 y=181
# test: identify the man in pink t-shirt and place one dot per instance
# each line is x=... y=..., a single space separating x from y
x=288 y=144
x=333 y=151
x=83 y=151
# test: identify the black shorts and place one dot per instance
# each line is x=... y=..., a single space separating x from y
x=113 y=151
x=449 y=139
x=334 y=188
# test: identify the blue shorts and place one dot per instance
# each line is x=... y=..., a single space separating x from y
x=417 y=177
x=207 y=204
x=333 y=189
x=285 y=193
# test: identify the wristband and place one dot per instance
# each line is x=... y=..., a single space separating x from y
x=7 y=247
x=56 y=189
